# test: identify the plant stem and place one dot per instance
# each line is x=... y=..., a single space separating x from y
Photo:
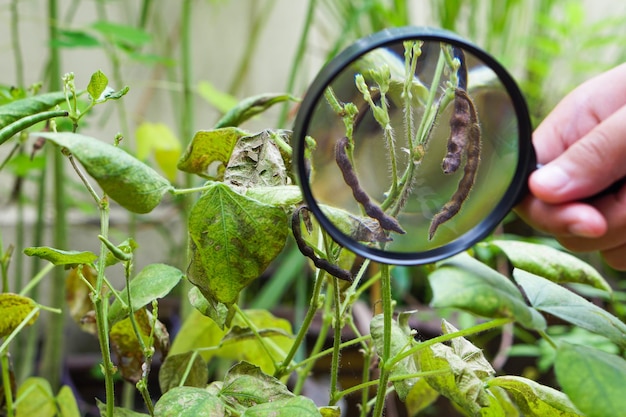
x=306 y=323
x=334 y=364
x=54 y=342
x=295 y=66
x=101 y=307
x=385 y=368
x=6 y=383
x=17 y=48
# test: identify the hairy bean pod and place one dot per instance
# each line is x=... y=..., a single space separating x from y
x=308 y=251
x=464 y=126
x=350 y=178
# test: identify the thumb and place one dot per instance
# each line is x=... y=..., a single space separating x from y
x=588 y=166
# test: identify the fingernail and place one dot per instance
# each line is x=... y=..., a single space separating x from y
x=582 y=230
x=551 y=177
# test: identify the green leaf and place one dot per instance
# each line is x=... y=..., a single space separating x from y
x=189 y=402
x=466 y=283
x=14 y=309
x=202 y=332
x=290 y=407
x=209 y=151
x=534 y=399
x=401 y=339
x=233 y=239
x=14 y=128
x=246 y=385
x=153 y=282
x=550 y=263
x=420 y=397
x=67 y=403
x=62 y=257
x=223 y=102
x=158 y=138
x=123 y=34
x=35 y=398
x=250 y=107
x=173 y=368
x=282 y=196
x=469 y=353
x=458 y=382
x=97 y=84
x=128 y=247
x=74 y=39
x=594 y=380
x=551 y=298
x=18 y=109
x=131 y=183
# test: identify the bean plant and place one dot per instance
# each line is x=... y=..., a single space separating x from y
x=245 y=212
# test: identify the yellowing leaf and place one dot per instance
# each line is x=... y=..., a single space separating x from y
x=77 y=296
x=209 y=152
x=159 y=139
x=14 y=309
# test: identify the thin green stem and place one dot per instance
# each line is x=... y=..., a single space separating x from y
x=101 y=307
x=15 y=44
x=334 y=363
x=321 y=354
x=304 y=328
x=385 y=369
x=6 y=383
x=185 y=375
x=264 y=342
x=297 y=60
x=444 y=338
x=36 y=279
x=31 y=314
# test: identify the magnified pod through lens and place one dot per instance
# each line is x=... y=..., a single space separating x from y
x=412 y=145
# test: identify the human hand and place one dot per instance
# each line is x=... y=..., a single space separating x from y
x=582 y=145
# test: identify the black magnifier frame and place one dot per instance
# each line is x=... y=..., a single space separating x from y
x=517 y=189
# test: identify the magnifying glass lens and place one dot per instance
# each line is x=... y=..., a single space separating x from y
x=410 y=148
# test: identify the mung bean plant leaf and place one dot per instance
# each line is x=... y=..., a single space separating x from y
x=78 y=296
x=534 y=399
x=173 y=368
x=222 y=101
x=189 y=402
x=457 y=382
x=282 y=196
x=246 y=385
x=122 y=34
x=62 y=257
x=14 y=128
x=35 y=398
x=233 y=239
x=203 y=332
x=256 y=161
x=67 y=403
x=550 y=263
x=29 y=106
x=159 y=139
x=420 y=397
x=127 y=348
x=594 y=380
x=299 y=406
x=551 y=298
x=209 y=151
x=14 y=309
x=153 y=282
x=466 y=350
x=97 y=84
x=401 y=340
x=118 y=411
x=466 y=283
x=250 y=107
x=131 y=183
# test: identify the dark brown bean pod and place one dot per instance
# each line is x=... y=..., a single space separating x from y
x=308 y=251
x=459 y=132
x=471 y=132
x=349 y=176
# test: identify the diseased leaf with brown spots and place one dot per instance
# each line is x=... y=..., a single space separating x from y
x=233 y=239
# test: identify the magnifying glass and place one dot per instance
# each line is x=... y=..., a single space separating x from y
x=412 y=145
